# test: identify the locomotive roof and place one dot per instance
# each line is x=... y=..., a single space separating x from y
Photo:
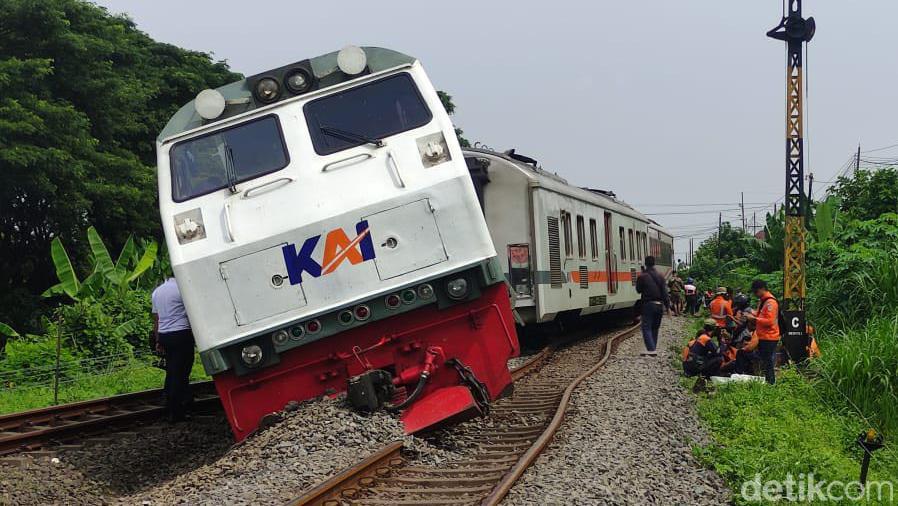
x=239 y=94
x=559 y=184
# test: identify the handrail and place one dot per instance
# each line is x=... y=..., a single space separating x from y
x=394 y=166
x=345 y=162
x=281 y=181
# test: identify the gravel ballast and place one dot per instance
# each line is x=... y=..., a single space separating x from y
x=626 y=438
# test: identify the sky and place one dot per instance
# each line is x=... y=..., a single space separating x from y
x=676 y=106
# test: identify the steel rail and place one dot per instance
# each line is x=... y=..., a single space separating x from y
x=517 y=470
x=346 y=484
x=31 y=430
x=484 y=478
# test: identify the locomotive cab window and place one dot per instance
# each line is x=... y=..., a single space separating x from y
x=365 y=114
x=227 y=157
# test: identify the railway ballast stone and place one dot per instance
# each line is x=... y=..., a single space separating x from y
x=627 y=438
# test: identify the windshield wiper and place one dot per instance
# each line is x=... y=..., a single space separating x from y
x=230 y=170
x=352 y=136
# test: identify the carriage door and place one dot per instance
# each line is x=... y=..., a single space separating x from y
x=609 y=251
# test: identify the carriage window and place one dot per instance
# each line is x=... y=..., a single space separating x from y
x=581 y=237
x=213 y=161
x=623 y=243
x=568 y=239
x=365 y=114
x=632 y=244
x=593 y=239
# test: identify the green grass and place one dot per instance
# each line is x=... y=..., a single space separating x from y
x=861 y=364
x=134 y=377
x=784 y=429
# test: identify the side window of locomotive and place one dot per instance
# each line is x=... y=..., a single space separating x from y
x=233 y=155
x=365 y=113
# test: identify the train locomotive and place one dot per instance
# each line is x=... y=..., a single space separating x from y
x=327 y=237
x=567 y=252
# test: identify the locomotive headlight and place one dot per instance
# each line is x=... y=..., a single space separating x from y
x=313 y=326
x=279 y=337
x=251 y=355
x=267 y=90
x=457 y=288
x=345 y=317
x=425 y=291
x=209 y=104
x=362 y=312
x=298 y=81
x=297 y=331
x=352 y=60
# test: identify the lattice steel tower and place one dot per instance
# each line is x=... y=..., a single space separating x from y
x=795 y=31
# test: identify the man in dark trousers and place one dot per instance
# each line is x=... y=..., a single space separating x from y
x=173 y=335
x=655 y=301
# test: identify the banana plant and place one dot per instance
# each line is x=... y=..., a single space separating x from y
x=106 y=274
x=826 y=219
x=7 y=331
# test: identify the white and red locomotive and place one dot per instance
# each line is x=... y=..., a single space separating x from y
x=326 y=237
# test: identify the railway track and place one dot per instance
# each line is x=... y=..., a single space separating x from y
x=33 y=430
x=527 y=423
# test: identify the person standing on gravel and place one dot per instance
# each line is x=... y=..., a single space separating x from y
x=655 y=300
x=173 y=335
x=767 y=327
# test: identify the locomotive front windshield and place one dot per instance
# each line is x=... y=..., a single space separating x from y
x=226 y=157
x=365 y=114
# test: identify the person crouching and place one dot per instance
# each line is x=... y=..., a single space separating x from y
x=701 y=356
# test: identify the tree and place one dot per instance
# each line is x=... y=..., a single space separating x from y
x=82 y=96
x=446 y=99
x=867 y=194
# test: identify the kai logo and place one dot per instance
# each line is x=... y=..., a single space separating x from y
x=337 y=248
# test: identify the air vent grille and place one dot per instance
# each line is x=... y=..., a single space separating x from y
x=556 y=277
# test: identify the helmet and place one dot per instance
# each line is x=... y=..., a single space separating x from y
x=690 y=281
x=710 y=322
x=721 y=290
x=740 y=301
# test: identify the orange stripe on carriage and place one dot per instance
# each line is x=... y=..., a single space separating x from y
x=601 y=276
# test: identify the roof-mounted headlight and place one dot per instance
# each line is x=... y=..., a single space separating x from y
x=267 y=90
x=352 y=60
x=298 y=81
x=209 y=104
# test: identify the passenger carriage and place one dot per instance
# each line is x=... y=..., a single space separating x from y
x=566 y=251
x=326 y=236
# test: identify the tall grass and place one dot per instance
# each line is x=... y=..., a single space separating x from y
x=861 y=364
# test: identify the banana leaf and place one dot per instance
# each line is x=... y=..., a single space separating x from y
x=146 y=260
x=68 y=280
x=102 y=259
x=7 y=331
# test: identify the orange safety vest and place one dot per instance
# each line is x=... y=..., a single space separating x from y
x=720 y=308
x=768 y=328
x=701 y=340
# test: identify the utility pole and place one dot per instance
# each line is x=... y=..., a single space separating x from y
x=857 y=159
x=754 y=223
x=795 y=31
x=719 y=227
x=742 y=206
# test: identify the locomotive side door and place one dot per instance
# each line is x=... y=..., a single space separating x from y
x=609 y=252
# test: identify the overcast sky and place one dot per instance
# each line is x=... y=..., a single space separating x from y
x=664 y=102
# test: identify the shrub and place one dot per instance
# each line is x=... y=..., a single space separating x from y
x=32 y=360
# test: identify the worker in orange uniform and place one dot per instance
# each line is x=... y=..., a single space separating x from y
x=701 y=356
x=721 y=308
x=766 y=327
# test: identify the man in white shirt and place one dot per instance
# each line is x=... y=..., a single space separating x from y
x=173 y=335
x=691 y=296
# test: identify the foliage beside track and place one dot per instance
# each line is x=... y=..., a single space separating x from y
x=781 y=430
x=810 y=423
